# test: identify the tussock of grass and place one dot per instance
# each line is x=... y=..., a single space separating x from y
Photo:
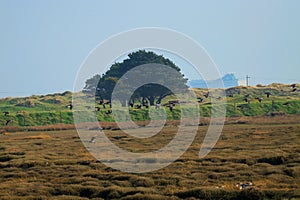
x=42 y=136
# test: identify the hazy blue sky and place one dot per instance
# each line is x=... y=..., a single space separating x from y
x=43 y=43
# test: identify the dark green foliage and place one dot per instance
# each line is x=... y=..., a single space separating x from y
x=104 y=85
x=277 y=160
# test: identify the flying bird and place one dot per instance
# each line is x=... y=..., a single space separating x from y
x=293 y=85
x=241 y=106
x=286 y=104
x=109 y=112
x=259 y=99
x=268 y=94
x=97 y=108
x=171 y=108
x=70 y=106
x=219 y=98
x=247 y=95
x=139 y=106
x=8 y=121
x=145 y=103
x=200 y=100
x=206 y=95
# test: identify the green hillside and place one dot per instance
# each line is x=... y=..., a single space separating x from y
x=51 y=109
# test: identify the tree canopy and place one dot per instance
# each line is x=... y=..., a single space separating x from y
x=103 y=86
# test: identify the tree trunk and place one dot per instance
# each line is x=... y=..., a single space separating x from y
x=151 y=100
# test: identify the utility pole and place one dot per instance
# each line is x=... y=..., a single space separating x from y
x=247 y=80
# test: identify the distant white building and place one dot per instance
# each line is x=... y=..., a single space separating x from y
x=229 y=80
x=242 y=82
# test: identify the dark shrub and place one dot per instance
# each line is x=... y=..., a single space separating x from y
x=5 y=158
x=277 y=160
x=250 y=194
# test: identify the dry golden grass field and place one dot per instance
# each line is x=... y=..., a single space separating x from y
x=42 y=164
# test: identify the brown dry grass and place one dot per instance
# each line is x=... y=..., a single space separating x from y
x=55 y=164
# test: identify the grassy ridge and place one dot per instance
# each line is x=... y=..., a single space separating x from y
x=51 y=109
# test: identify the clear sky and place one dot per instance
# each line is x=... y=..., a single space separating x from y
x=43 y=43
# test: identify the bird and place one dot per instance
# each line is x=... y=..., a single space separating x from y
x=93 y=139
x=139 y=106
x=247 y=100
x=219 y=98
x=145 y=102
x=109 y=112
x=293 y=85
x=241 y=106
x=97 y=108
x=174 y=102
x=247 y=95
x=6 y=113
x=206 y=95
x=8 y=121
x=70 y=106
x=131 y=104
x=200 y=100
x=294 y=90
x=259 y=99
x=268 y=94
x=171 y=108
x=286 y=104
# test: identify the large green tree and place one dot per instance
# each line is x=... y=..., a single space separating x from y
x=103 y=86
